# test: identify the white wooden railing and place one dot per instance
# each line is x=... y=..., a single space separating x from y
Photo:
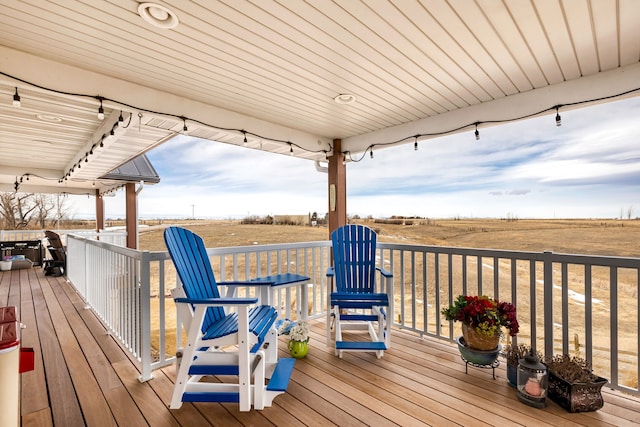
x=577 y=304
x=113 y=237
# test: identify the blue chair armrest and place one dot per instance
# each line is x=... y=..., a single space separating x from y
x=218 y=301
x=246 y=283
x=331 y=272
x=385 y=273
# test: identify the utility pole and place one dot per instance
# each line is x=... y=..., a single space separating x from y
x=193 y=211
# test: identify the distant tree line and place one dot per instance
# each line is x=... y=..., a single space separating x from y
x=310 y=219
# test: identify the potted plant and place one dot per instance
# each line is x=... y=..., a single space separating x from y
x=573 y=385
x=513 y=354
x=298 y=333
x=482 y=320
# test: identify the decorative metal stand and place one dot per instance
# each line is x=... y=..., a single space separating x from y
x=485 y=359
x=492 y=366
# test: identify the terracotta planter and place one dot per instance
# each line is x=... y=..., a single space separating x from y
x=577 y=397
x=478 y=341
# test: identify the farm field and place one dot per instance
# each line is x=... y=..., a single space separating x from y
x=592 y=237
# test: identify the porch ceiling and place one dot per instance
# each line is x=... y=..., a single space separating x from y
x=273 y=68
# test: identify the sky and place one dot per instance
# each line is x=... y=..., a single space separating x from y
x=587 y=168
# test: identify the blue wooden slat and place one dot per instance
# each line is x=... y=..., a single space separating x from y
x=230 y=397
x=213 y=370
x=280 y=377
x=360 y=345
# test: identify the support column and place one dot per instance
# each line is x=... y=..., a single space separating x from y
x=337 y=188
x=99 y=212
x=131 y=215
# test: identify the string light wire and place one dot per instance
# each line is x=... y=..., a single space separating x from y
x=327 y=151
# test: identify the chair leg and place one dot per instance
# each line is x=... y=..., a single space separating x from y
x=338 y=330
x=329 y=314
x=271 y=350
x=259 y=388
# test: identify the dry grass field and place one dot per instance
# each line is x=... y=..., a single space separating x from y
x=591 y=237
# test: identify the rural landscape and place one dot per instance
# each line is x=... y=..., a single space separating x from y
x=615 y=238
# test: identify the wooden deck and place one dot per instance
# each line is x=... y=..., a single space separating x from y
x=82 y=377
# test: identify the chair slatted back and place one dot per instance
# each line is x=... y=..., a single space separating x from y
x=354 y=253
x=192 y=263
x=56 y=248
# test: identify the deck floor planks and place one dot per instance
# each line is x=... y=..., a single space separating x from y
x=419 y=381
x=302 y=411
x=59 y=387
x=95 y=409
x=450 y=386
x=155 y=411
x=5 y=288
x=188 y=414
x=379 y=393
x=120 y=402
x=409 y=399
x=33 y=382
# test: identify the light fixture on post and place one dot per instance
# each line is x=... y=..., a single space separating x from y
x=533 y=380
x=100 y=111
x=16 y=99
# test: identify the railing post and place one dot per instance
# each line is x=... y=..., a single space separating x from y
x=145 y=316
x=548 y=302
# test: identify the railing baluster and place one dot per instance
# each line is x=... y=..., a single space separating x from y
x=565 y=309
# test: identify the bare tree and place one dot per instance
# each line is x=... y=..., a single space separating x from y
x=20 y=210
x=17 y=210
x=630 y=212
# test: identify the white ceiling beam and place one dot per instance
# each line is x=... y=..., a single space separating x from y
x=600 y=85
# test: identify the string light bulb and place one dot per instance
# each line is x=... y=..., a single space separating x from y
x=100 y=111
x=415 y=144
x=120 y=118
x=371 y=153
x=16 y=99
x=290 y=149
x=477 y=132
x=185 y=129
x=558 y=118
x=245 y=138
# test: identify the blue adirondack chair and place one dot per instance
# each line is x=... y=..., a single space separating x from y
x=355 y=302
x=241 y=343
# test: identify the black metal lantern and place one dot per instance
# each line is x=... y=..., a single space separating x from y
x=533 y=380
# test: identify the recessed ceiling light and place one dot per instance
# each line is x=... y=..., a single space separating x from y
x=345 y=98
x=158 y=15
x=48 y=118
